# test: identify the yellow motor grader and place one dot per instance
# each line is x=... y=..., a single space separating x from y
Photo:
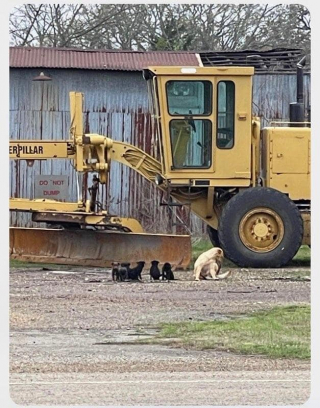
x=250 y=186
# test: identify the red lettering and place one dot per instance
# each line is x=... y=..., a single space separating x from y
x=43 y=182
x=57 y=182
x=51 y=192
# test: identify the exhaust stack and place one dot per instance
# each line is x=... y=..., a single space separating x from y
x=297 y=109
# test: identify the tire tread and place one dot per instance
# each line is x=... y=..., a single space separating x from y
x=234 y=203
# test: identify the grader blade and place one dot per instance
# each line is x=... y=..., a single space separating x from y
x=97 y=248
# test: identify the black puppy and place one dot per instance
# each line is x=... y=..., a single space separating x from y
x=124 y=271
x=154 y=271
x=167 y=272
x=120 y=271
x=115 y=271
x=135 y=273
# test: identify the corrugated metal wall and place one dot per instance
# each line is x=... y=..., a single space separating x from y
x=116 y=104
x=272 y=95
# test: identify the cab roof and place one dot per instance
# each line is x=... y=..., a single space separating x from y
x=196 y=70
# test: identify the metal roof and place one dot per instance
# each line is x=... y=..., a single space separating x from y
x=32 y=57
x=279 y=60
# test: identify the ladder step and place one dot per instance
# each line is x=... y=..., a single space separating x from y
x=174 y=204
x=180 y=224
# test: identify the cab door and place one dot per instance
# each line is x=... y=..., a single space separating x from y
x=207 y=123
x=233 y=128
x=190 y=118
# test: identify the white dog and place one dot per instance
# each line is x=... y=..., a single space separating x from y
x=209 y=264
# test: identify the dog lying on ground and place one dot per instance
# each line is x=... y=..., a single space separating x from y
x=154 y=271
x=209 y=264
x=135 y=273
x=167 y=272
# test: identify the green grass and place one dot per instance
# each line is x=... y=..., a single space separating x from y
x=303 y=257
x=20 y=264
x=282 y=332
x=200 y=245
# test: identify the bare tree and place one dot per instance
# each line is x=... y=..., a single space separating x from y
x=55 y=25
x=161 y=26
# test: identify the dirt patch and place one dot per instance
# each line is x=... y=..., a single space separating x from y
x=79 y=321
x=88 y=299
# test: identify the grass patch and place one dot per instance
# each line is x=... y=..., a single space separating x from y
x=200 y=245
x=303 y=257
x=14 y=263
x=282 y=332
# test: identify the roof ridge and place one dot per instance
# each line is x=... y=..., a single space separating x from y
x=75 y=58
x=101 y=50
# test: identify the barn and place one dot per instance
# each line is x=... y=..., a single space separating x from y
x=116 y=105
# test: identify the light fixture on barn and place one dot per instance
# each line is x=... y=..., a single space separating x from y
x=42 y=77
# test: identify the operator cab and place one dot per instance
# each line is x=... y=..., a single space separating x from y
x=203 y=118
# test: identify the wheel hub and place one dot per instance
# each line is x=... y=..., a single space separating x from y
x=261 y=230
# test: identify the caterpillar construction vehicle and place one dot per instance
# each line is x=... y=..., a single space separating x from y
x=250 y=186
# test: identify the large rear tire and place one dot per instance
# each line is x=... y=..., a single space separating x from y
x=213 y=236
x=260 y=228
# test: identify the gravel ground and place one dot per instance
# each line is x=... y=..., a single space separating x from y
x=73 y=339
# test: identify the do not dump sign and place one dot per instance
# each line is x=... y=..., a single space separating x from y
x=52 y=187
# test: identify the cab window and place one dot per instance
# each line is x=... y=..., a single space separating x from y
x=189 y=97
x=191 y=141
x=226 y=110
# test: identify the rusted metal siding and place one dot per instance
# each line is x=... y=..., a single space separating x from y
x=31 y=57
x=116 y=105
x=272 y=95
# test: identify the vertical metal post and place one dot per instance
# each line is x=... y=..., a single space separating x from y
x=76 y=129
